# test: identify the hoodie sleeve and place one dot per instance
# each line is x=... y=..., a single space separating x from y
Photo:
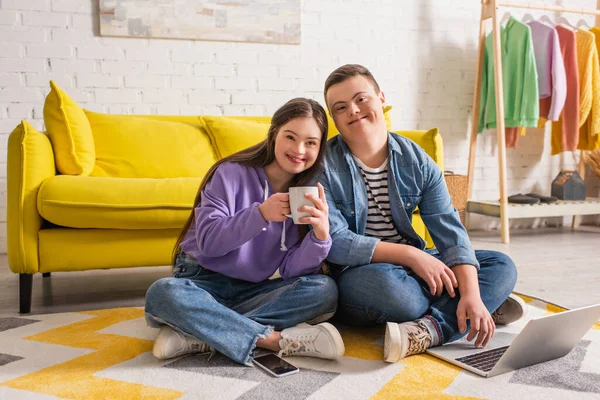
x=559 y=79
x=305 y=258
x=219 y=227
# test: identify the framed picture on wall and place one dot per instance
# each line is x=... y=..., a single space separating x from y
x=261 y=21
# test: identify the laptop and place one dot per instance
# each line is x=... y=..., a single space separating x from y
x=542 y=339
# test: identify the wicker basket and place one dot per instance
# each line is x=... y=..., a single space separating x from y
x=592 y=159
x=457 y=186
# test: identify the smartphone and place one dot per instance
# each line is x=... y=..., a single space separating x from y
x=275 y=365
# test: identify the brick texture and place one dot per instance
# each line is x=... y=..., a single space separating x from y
x=423 y=54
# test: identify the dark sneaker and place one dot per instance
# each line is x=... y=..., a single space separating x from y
x=510 y=311
x=543 y=199
x=523 y=199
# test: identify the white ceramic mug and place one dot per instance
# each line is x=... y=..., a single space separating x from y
x=298 y=200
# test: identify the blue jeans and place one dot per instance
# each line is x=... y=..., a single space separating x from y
x=379 y=293
x=231 y=314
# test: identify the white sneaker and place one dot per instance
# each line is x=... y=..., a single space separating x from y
x=405 y=339
x=171 y=344
x=322 y=341
x=511 y=310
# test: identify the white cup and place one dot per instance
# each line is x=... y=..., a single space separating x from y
x=298 y=200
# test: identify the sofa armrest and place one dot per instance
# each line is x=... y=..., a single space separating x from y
x=30 y=163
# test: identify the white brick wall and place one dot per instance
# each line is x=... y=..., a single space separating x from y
x=422 y=52
x=33 y=5
x=50 y=19
x=8 y=17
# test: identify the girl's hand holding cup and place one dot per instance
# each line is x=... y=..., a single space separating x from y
x=319 y=218
x=276 y=207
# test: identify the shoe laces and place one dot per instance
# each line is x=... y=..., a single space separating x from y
x=297 y=345
x=419 y=338
x=199 y=347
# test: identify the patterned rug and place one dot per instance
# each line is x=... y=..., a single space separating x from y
x=106 y=355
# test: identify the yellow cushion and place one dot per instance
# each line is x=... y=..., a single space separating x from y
x=430 y=141
x=232 y=134
x=70 y=133
x=117 y=203
x=333 y=130
x=229 y=135
x=134 y=147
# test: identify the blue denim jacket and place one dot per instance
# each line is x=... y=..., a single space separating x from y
x=414 y=179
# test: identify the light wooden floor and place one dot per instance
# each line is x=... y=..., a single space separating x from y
x=557 y=265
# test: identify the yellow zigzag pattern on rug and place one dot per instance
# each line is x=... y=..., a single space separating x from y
x=74 y=379
x=423 y=376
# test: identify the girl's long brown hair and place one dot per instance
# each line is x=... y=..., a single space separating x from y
x=263 y=153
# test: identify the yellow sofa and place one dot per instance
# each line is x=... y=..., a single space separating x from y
x=100 y=191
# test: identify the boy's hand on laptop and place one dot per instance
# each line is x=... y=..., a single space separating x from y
x=482 y=324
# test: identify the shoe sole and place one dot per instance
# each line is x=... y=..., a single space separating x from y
x=521 y=302
x=160 y=343
x=392 y=343
x=336 y=338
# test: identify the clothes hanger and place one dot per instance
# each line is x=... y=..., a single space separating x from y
x=505 y=18
x=582 y=24
x=565 y=22
x=527 y=17
x=547 y=20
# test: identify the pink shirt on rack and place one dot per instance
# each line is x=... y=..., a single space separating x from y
x=552 y=78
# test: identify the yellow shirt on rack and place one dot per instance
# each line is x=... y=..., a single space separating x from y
x=587 y=59
x=590 y=88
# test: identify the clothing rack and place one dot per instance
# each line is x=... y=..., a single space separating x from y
x=501 y=208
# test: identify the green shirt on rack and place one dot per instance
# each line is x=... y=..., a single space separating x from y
x=519 y=75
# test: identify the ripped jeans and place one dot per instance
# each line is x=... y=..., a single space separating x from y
x=231 y=314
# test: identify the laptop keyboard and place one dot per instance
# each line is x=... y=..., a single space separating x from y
x=485 y=360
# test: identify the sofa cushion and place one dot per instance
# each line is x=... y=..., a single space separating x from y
x=137 y=147
x=430 y=141
x=70 y=133
x=117 y=203
x=229 y=135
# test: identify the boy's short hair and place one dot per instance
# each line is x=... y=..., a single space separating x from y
x=346 y=72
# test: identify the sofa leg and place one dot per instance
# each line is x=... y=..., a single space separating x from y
x=25 y=286
x=46 y=274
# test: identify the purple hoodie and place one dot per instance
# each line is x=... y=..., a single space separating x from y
x=230 y=236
